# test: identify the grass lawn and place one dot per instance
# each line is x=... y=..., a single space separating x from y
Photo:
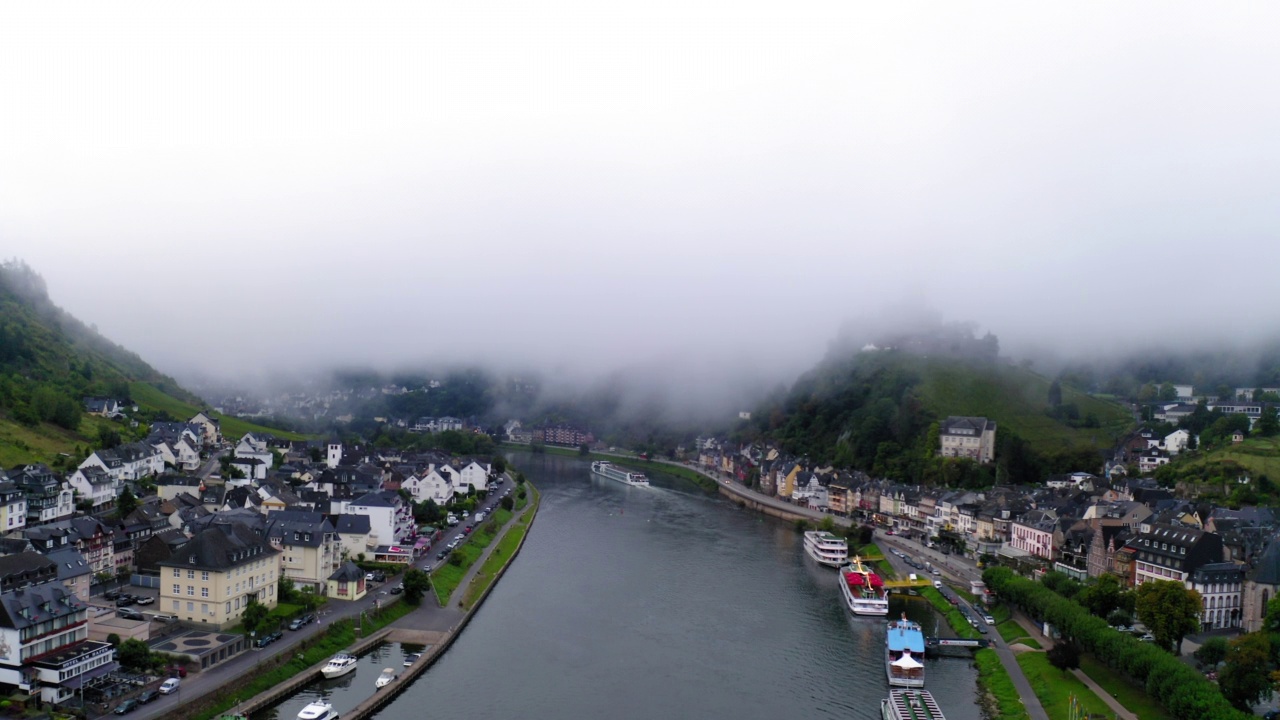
x=995 y=680
x=1054 y=687
x=446 y=578
x=500 y=556
x=1134 y=698
x=1260 y=456
x=1010 y=630
x=959 y=625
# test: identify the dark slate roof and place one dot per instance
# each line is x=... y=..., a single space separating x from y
x=1223 y=572
x=221 y=546
x=348 y=572
x=26 y=607
x=966 y=426
x=354 y=524
x=179 y=480
x=23 y=568
x=1267 y=569
x=71 y=563
x=382 y=498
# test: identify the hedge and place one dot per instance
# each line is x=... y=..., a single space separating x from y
x=1185 y=693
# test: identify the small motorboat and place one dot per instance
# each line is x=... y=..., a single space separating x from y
x=385 y=678
x=318 y=710
x=339 y=665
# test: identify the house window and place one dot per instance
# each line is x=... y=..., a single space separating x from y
x=204 y=575
x=177 y=572
x=177 y=589
x=228 y=607
x=191 y=590
x=204 y=608
x=204 y=592
x=191 y=607
x=191 y=574
x=176 y=604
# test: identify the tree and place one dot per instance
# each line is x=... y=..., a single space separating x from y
x=519 y=478
x=1271 y=621
x=1212 y=652
x=828 y=524
x=1102 y=595
x=255 y=615
x=1055 y=394
x=584 y=450
x=1245 y=678
x=1168 y=392
x=1119 y=618
x=286 y=591
x=134 y=653
x=1269 y=423
x=507 y=504
x=107 y=438
x=114 y=640
x=1169 y=610
x=126 y=503
x=416 y=584
x=1064 y=655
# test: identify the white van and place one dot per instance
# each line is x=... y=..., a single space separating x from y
x=479 y=517
x=452 y=519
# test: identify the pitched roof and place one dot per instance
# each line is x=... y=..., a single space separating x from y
x=220 y=546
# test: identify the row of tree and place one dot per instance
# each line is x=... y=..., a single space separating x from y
x=1185 y=693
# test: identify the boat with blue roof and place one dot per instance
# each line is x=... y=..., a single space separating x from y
x=903 y=652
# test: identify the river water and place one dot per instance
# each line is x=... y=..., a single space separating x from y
x=665 y=602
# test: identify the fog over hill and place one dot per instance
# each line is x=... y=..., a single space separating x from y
x=694 y=195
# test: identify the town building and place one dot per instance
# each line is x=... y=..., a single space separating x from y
x=213 y=577
x=968 y=437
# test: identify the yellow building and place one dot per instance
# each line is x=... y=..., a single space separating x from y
x=213 y=578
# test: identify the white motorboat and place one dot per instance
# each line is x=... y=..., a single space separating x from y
x=385 y=678
x=318 y=710
x=339 y=665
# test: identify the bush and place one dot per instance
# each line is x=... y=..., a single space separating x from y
x=1212 y=652
x=1185 y=693
x=455 y=559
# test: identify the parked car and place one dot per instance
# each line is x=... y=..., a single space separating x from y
x=1148 y=638
x=379 y=576
x=111 y=594
x=146 y=601
x=397 y=589
x=124 y=601
x=147 y=696
x=178 y=671
x=300 y=622
x=130 y=614
x=126 y=707
x=988 y=620
x=170 y=686
x=269 y=638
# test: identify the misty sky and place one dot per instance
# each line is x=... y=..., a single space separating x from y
x=236 y=186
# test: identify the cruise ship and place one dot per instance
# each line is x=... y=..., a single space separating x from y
x=910 y=705
x=903 y=648
x=863 y=590
x=613 y=472
x=826 y=548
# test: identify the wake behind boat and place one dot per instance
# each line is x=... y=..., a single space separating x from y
x=863 y=590
x=902 y=646
x=910 y=705
x=613 y=472
x=825 y=548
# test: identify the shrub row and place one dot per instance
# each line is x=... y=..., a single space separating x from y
x=1185 y=693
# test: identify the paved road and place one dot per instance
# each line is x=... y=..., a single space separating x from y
x=428 y=617
x=210 y=465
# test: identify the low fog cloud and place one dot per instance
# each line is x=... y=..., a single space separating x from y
x=243 y=190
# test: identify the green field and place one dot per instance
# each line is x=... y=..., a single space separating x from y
x=1016 y=399
x=1054 y=687
x=1132 y=697
x=500 y=556
x=149 y=396
x=995 y=680
x=1260 y=456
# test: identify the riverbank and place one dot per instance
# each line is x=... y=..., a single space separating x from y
x=664 y=466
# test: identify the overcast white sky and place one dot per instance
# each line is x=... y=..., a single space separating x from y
x=233 y=186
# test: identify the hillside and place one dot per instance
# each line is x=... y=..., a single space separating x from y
x=50 y=361
x=878 y=410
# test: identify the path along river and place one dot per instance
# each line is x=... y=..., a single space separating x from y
x=662 y=603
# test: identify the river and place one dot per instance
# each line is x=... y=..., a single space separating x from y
x=665 y=602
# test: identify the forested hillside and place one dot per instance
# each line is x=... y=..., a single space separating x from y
x=877 y=410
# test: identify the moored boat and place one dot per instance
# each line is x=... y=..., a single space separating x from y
x=825 y=548
x=339 y=665
x=863 y=590
x=385 y=678
x=613 y=472
x=910 y=705
x=903 y=645
x=318 y=710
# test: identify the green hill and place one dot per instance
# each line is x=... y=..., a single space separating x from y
x=50 y=361
x=878 y=411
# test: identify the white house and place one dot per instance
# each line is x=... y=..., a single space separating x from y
x=92 y=483
x=430 y=485
x=475 y=475
x=390 y=518
x=211 y=427
x=251 y=448
x=1176 y=441
x=333 y=454
x=128 y=462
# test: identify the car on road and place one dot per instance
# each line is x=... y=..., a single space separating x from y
x=988 y=620
x=1148 y=638
x=466 y=530
x=147 y=696
x=399 y=588
x=379 y=576
x=269 y=638
x=130 y=614
x=302 y=621
x=170 y=686
x=126 y=707
x=440 y=555
x=146 y=600
x=937 y=584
